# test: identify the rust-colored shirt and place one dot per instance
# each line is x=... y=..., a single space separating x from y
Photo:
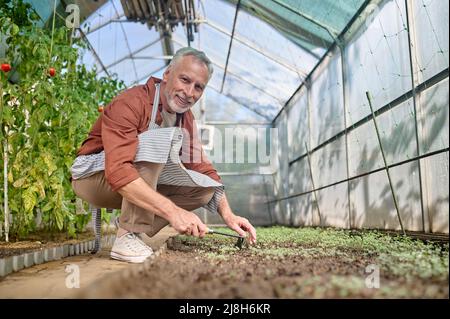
x=117 y=128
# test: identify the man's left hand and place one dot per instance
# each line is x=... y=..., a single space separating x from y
x=242 y=226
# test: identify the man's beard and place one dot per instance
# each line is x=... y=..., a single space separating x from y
x=174 y=107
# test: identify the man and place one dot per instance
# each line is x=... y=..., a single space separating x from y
x=130 y=160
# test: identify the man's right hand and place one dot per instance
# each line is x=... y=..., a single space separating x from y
x=187 y=223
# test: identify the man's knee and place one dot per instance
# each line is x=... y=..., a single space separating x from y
x=149 y=172
x=95 y=191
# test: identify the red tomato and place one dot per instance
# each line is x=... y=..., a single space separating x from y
x=6 y=67
x=52 y=72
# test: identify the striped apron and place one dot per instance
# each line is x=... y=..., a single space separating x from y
x=156 y=145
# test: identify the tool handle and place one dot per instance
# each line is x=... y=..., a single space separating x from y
x=212 y=231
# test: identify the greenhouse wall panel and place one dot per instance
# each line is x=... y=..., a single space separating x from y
x=304 y=211
x=282 y=173
x=300 y=177
x=371 y=203
x=329 y=163
x=430 y=23
x=248 y=197
x=435 y=183
x=406 y=185
x=333 y=206
x=397 y=129
x=363 y=150
x=377 y=60
x=434 y=118
x=327 y=110
x=298 y=125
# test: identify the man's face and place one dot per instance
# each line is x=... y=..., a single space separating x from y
x=185 y=82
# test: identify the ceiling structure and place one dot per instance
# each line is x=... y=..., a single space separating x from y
x=261 y=50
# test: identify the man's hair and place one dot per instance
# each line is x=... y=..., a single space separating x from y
x=199 y=55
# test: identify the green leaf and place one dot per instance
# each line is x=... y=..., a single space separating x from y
x=48 y=206
x=20 y=182
x=14 y=29
x=29 y=199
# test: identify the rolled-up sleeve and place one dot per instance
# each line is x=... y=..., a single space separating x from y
x=120 y=124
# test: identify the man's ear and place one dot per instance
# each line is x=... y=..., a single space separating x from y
x=166 y=74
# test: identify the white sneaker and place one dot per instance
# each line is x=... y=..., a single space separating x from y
x=130 y=248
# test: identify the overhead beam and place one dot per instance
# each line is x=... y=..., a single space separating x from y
x=148 y=74
x=273 y=58
x=239 y=77
x=240 y=103
x=131 y=55
x=231 y=43
x=94 y=53
x=126 y=41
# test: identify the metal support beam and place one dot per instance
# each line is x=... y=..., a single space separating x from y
x=238 y=77
x=414 y=82
x=266 y=54
x=345 y=105
x=240 y=103
x=131 y=55
x=91 y=48
x=104 y=24
x=332 y=32
x=148 y=74
x=126 y=41
x=397 y=209
x=231 y=43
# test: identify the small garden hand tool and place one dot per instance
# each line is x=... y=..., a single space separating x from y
x=239 y=242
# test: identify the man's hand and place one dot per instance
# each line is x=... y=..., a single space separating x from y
x=242 y=226
x=188 y=223
x=239 y=224
x=141 y=194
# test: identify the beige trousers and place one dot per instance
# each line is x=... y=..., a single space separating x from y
x=96 y=191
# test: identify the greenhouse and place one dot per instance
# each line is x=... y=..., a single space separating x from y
x=224 y=149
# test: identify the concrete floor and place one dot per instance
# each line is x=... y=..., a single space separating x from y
x=70 y=277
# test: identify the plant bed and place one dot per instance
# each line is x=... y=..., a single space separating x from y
x=39 y=241
x=296 y=263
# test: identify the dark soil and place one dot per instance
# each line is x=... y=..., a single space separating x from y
x=190 y=270
x=40 y=240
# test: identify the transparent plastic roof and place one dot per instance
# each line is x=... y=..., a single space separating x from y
x=274 y=46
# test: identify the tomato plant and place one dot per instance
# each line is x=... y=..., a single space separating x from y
x=44 y=119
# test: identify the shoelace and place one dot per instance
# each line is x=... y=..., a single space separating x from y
x=138 y=243
x=136 y=237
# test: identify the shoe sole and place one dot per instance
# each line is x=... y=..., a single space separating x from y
x=131 y=259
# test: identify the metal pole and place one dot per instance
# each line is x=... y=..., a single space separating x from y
x=5 y=187
x=313 y=185
x=413 y=67
x=385 y=163
x=231 y=43
x=345 y=102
